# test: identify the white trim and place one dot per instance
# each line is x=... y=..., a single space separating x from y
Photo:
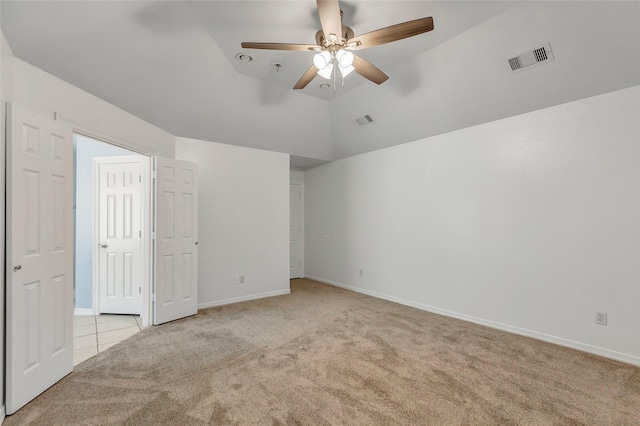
x=3 y=414
x=83 y=312
x=86 y=130
x=300 y=184
x=243 y=298
x=630 y=359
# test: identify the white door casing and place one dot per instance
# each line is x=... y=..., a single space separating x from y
x=119 y=242
x=39 y=321
x=176 y=255
x=295 y=228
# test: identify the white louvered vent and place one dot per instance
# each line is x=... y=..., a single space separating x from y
x=530 y=58
x=365 y=119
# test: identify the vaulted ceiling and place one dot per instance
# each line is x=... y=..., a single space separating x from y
x=173 y=64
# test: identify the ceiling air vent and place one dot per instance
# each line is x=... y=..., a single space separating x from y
x=365 y=119
x=530 y=58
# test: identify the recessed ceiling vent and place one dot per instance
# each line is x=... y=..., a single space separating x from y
x=530 y=58
x=364 y=120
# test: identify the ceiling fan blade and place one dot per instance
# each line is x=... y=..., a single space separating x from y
x=330 y=18
x=306 y=78
x=392 y=33
x=280 y=46
x=368 y=70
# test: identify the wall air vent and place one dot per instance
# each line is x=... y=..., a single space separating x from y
x=530 y=58
x=365 y=119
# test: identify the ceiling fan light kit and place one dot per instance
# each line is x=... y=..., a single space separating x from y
x=335 y=43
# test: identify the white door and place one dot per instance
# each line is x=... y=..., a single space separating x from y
x=119 y=242
x=295 y=228
x=176 y=277
x=39 y=255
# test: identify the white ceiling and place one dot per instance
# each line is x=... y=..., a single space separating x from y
x=172 y=64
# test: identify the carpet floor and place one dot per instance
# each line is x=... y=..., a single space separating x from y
x=327 y=356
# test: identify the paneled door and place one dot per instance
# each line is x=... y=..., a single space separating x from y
x=119 y=242
x=176 y=276
x=39 y=346
x=295 y=234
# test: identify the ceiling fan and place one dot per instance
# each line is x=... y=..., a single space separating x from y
x=336 y=42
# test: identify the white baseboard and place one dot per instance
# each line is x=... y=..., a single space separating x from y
x=626 y=358
x=83 y=311
x=243 y=298
x=3 y=414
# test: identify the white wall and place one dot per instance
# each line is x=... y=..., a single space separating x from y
x=46 y=94
x=243 y=221
x=529 y=224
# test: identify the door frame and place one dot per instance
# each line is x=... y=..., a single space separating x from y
x=294 y=180
x=147 y=200
x=145 y=225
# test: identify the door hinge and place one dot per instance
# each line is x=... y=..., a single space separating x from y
x=139 y=178
x=140 y=233
x=153 y=297
x=139 y=290
x=153 y=235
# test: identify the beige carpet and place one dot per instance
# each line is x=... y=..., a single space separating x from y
x=326 y=356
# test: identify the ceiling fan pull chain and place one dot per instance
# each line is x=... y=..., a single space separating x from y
x=335 y=71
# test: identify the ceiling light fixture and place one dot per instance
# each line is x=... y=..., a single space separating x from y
x=335 y=41
x=334 y=58
x=324 y=86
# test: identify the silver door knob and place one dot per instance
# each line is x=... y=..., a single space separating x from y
x=17 y=268
x=102 y=245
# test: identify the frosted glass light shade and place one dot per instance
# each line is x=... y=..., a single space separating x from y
x=320 y=60
x=326 y=71
x=346 y=70
x=345 y=58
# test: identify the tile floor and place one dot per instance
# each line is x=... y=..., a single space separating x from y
x=94 y=334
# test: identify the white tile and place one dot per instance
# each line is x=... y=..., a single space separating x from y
x=83 y=330
x=83 y=355
x=84 y=342
x=116 y=335
x=84 y=320
x=110 y=317
x=124 y=321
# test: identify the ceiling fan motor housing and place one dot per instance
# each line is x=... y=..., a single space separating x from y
x=347 y=33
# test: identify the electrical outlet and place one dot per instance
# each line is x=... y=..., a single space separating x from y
x=361 y=273
x=601 y=318
x=241 y=279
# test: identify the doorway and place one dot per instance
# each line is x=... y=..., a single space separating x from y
x=111 y=204
x=295 y=230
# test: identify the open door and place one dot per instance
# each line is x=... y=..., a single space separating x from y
x=176 y=254
x=39 y=346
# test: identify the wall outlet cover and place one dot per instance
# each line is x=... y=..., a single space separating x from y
x=601 y=318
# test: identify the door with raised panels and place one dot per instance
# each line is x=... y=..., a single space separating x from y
x=39 y=293
x=119 y=215
x=176 y=276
